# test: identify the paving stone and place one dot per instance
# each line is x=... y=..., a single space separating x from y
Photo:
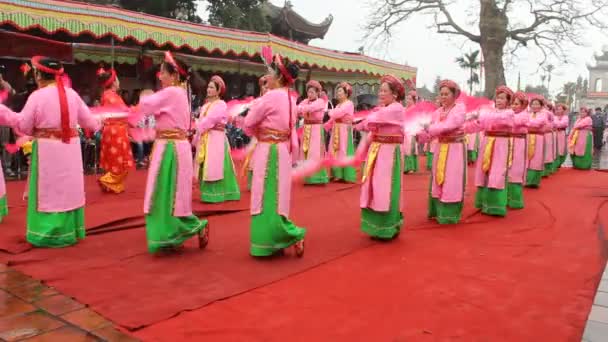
x=601 y=299
x=595 y=332
x=58 y=304
x=86 y=319
x=11 y=305
x=13 y=279
x=599 y=314
x=603 y=286
x=19 y=327
x=65 y=334
x=34 y=292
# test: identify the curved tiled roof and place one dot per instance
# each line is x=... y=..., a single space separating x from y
x=75 y=18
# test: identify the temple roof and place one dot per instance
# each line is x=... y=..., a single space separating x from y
x=75 y=22
x=289 y=24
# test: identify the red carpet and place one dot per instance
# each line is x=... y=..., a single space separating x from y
x=528 y=277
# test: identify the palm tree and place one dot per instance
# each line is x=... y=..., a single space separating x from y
x=470 y=62
x=569 y=91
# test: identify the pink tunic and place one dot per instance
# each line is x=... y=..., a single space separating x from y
x=60 y=173
x=536 y=125
x=497 y=125
x=449 y=124
x=171 y=110
x=211 y=124
x=311 y=146
x=519 y=164
x=7 y=118
x=376 y=190
x=583 y=126
x=561 y=124
x=271 y=112
x=549 y=138
x=340 y=121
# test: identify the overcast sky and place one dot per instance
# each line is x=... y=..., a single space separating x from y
x=415 y=43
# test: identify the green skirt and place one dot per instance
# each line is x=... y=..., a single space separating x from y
x=321 y=177
x=515 y=196
x=472 y=156
x=271 y=232
x=533 y=178
x=410 y=163
x=59 y=229
x=584 y=162
x=225 y=189
x=429 y=161
x=548 y=170
x=444 y=213
x=491 y=201
x=562 y=159
x=163 y=230
x=346 y=174
x=3 y=207
x=386 y=225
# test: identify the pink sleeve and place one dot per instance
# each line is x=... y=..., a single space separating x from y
x=520 y=120
x=454 y=121
x=154 y=103
x=217 y=114
x=385 y=115
x=86 y=119
x=257 y=113
x=27 y=117
x=538 y=122
x=312 y=107
x=8 y=117
x=472 y=126
x=584 y=123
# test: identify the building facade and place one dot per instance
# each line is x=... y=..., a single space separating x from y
x=597 y=94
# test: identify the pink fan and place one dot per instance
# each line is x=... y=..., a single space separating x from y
x=361 y=115
x=417 y=116
x=266 y=55
x=307 y=168
x=237 y=107
x=3 y=96
x=11 y=148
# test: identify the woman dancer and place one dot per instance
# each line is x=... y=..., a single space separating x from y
x=213 y=165
x=263 y=83
x=381 y=216
x=168 y=197
x=341 y=142
x=55 y=212
x=536 y=146
x=549 y=140
x=410 y=143
x=313 y=140
x=449 y=157
x=491 y=170
x=581 y=141
x=271 y=119
x=116 y=157
x=561 y=124
x=519 y=152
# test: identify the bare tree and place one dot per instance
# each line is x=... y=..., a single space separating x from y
x=552 y=23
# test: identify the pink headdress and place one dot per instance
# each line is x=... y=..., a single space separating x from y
x=219 y=82
x=453 y=86
x=348 y=89
x=505 y=90
x=395 y=84
x=314 y=84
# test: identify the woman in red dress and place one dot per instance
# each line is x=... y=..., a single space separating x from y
x=116 y=155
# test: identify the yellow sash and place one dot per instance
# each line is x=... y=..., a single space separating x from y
x=487 y=154
x=335 y=146
x=202 y=146
x=531 y=142
x=510 y=155
x=248 y=158
x=573 y=139
x=372 y=155
x=306 y=140
x=442 y=160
